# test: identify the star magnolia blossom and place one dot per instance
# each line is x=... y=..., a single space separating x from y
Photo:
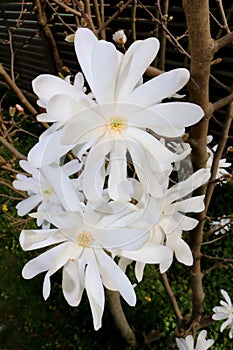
x=83 y=244
x=114 y=123
x=225 y=311
x=188 y=342
x=49 y=188
x=223 y=164
x=222 y=226
x=168 y=231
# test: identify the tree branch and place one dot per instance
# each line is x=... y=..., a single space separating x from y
x=223 y=41
x=120 y=319
x=171 y=296
x=12 y=148
x=223 y=102
x=218 y=154
x=67 y=8
x=201 y=49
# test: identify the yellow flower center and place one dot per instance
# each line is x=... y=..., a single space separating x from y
x=49 y=191
x=117 y=123
x=85 y=239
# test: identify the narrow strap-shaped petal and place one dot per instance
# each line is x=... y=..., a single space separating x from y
x=48 y=150
x=42 y=262
x=117 y=276
x=134 y=63
x=160 y=87
x=84 y=43
x=94 y=288
x=71 y=285
x=26 y=205
x=104 y=71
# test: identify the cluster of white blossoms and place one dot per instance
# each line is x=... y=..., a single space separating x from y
x=224 y=312
x=114 y=199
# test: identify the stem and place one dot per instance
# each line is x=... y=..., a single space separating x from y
x=120 y=319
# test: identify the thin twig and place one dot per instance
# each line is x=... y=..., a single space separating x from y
x=223 y=102
x=171 y=296
x=223 y=41
x=67 y=8
x=133 y=20
x=223 y=15
x=121 y=8
x=216 y=258
x=163 y=41
x=12 y=148
x=218 y=154
x=98 y=18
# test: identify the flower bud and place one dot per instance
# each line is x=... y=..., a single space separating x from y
x=119 y=37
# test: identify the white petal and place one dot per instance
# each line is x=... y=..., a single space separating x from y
x=84 y=43
x=179 y=115
x=94 y=288
x=104 y=71
x=185 y=187
x=71 y=284
x=117 y=276
x=62 y=186
x=48 y=150
x=46 y=86
x=42 y=262
x=134 y=63
x=36 y=239
x=26 y=205
x=149 y=254
x=139 y=269
x=160 y=87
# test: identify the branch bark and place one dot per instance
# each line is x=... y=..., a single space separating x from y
x=223 y=41
x=202 y=49
x=120 y=319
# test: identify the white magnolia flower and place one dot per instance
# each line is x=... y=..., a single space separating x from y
x=225 y=311
x=116 y=122
x=222 y=226
x=188 y=342
x=169 y=230
x=49 y=188
x=222 y=165
x=119 y=37
x=82 y=245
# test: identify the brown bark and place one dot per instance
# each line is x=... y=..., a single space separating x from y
x=201 y=49
x=120 y=319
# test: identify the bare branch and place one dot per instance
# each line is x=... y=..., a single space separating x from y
x=223 y=41
x=119 y=317
x=223 y=15
x=218 y=154
x=67 y=8
x=223 y=102
x=121 y=8
x=12 y=148
x=171 y=296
